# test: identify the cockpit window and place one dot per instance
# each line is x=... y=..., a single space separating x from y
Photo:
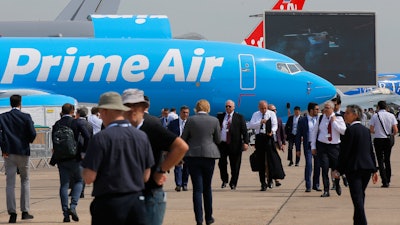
x=290 y=68
x=282 y=67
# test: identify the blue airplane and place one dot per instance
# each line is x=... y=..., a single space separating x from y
x=390 y=81
x=139 y=52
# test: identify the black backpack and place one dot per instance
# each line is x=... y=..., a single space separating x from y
x=64 y=143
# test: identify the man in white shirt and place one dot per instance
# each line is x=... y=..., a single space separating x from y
x=94 y=120
x=264 y=123
x=381 y=125
x=325 y=140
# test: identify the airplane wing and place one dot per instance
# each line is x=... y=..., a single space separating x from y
x=73 y=21
x=80 y=10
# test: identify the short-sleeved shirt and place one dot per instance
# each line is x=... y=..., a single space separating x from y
x=119 y=154
x=161 y=140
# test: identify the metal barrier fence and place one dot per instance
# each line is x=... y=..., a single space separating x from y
x=40 y=150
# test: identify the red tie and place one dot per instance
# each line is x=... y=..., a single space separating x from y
x=330 y=130
x=228 y=125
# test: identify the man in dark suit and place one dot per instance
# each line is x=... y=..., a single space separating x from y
x=234 y=140
x=69 y=169
x=291 y=130
x=304 y=128
x=357 y=161
x=181 y=171
x=17 y=131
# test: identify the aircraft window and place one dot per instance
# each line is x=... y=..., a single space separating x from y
x=299 y=67
x=282 y=67
x=293 y=68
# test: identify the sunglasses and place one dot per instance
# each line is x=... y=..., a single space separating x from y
x=228 y=106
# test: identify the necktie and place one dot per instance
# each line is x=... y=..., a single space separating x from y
x=262 y=125
x=330 y=130
x=228 y=125
x=182 y=126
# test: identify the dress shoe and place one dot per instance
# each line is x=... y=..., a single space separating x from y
x=308 y=189
x=184 y=188
x=66 y=219
x=325 y=194
x=223 y=185
x=296 y=164
x=333 y=186
x=277 y=183
x=317 y=188
x=345 y=182
x=337 y=187
x=290 y=164
x=178 y=188
x=26 y=216
x=211 y=221
x=385 y=186
x=73 y=214
x=263 y=188
x=13 y=218
x=233 y=187
x=270 y=184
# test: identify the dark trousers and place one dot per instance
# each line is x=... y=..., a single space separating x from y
x=263 y=145
x=383 y=151
x=290 y=151
x=328 y=157
x=118 y=209
x=201 y=171
x=358 y=182
x=235 y=160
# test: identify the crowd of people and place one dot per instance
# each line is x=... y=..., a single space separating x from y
x=125 y=153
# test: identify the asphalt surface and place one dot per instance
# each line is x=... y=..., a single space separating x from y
x=287 y=204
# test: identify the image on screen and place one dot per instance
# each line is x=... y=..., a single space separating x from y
x=339 y=47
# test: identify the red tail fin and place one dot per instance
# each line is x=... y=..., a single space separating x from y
x=256 y=37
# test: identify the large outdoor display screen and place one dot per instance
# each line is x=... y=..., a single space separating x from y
x=339 y=47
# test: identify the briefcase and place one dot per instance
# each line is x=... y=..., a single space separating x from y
x=254 y=162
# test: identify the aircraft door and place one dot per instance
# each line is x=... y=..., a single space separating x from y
x=247 y=72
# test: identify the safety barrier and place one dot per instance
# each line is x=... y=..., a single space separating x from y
x=40 y=149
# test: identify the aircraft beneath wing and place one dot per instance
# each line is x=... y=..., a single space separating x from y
x=370 y=99
x=139 y=52
x=390 y=81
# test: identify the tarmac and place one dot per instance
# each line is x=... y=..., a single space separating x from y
x=287 y=204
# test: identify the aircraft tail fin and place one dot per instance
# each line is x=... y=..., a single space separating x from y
x=80 y=10
x=129 y=26
x=289 y=5
x=256 y=37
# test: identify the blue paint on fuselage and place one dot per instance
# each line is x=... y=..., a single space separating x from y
x=171 y=72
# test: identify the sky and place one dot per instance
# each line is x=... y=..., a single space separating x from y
x=228 y=20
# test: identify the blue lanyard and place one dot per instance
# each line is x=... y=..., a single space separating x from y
x=119 y=125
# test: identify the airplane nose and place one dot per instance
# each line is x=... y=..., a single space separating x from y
x=320 y=89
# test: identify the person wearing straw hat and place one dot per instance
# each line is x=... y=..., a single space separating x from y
x=118 y=162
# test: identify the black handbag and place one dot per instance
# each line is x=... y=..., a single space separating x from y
x=390 y=136
x=254 y=162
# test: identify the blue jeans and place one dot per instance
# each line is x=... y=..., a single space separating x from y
x=181 y=175
x=69 y=171
x=156 y=202
x=309 y=168
x=201 y=172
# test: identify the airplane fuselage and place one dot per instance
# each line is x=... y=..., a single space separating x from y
x=171 y=72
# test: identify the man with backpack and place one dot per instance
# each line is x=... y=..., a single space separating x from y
x=65 y=135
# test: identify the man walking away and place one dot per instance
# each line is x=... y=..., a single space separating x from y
x=17 y=131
